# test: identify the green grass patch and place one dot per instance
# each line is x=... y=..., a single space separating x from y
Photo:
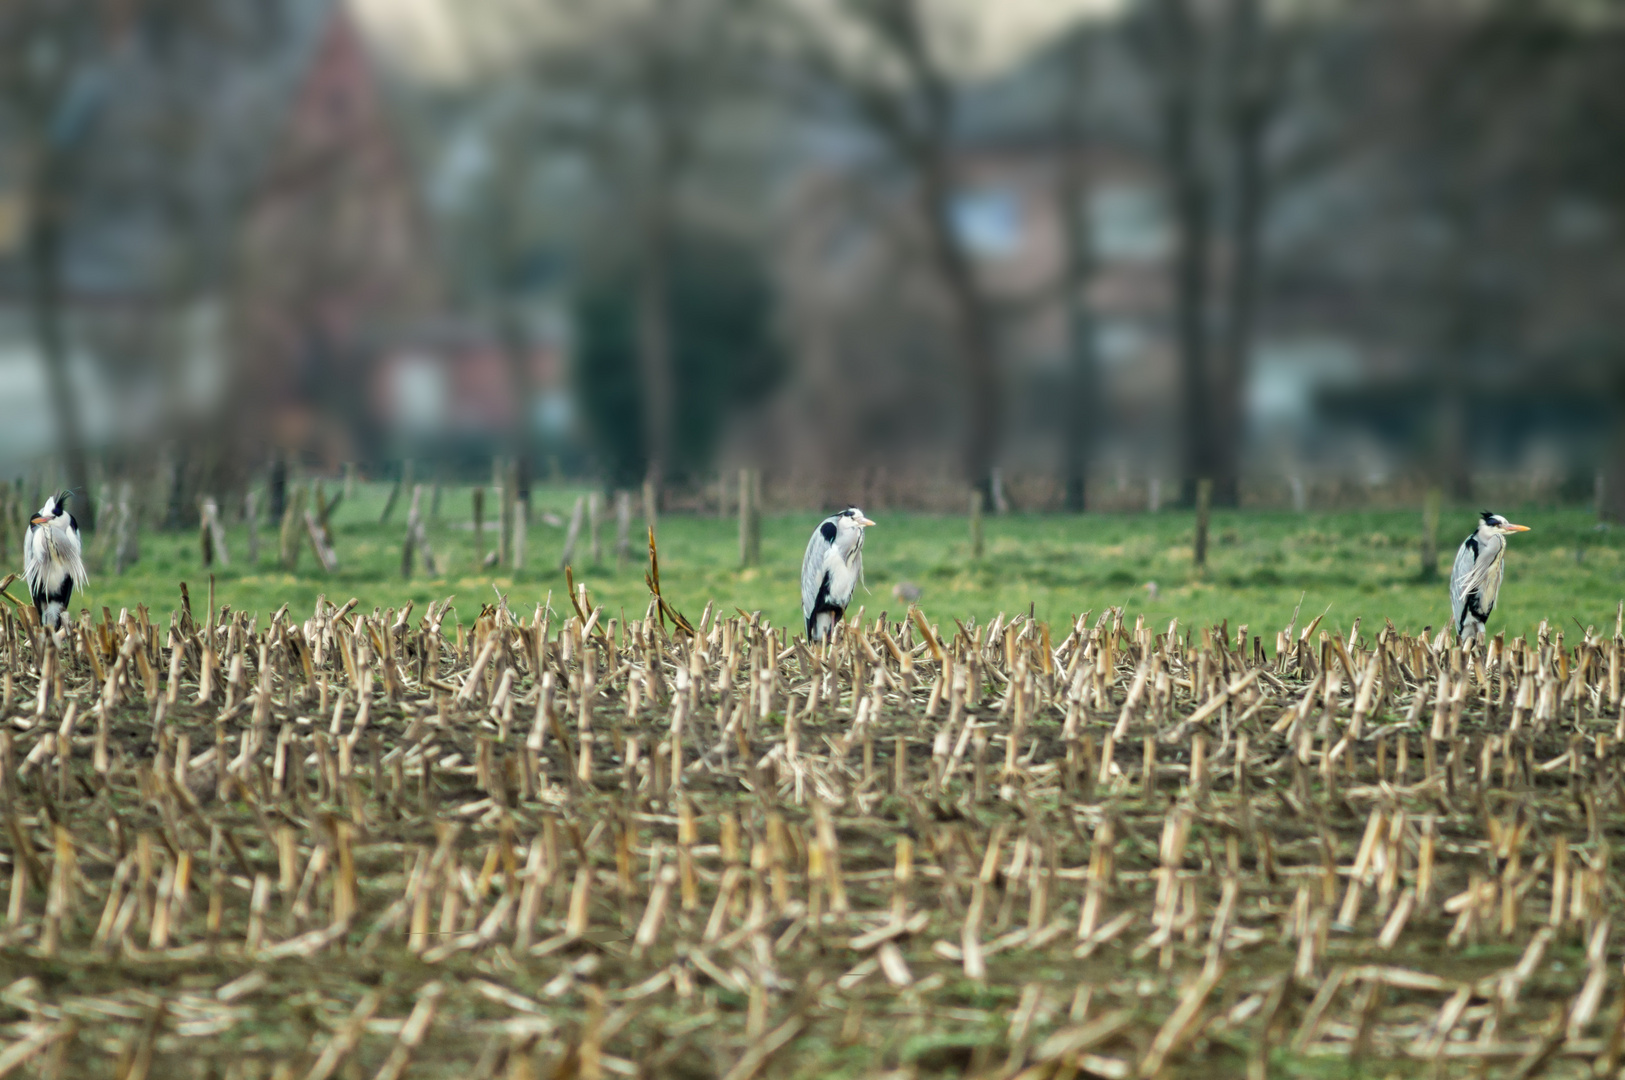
x=1361 y=564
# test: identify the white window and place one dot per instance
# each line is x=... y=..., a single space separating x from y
x=987 y=221
x=1128 y=222
x=553 y=413
x=1120 y=341
x=419 y=388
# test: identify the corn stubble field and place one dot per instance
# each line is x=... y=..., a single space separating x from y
x=343 y=843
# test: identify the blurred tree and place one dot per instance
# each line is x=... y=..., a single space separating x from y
x=1216 y=72
x=334 y=253
x=634 y=103
x=1252 y=94
x=137 y=128
x=53 y=72
x=1182 y=73
x=1071 y=192
x=725 y=356
x=1499 y=133
x=882 y=62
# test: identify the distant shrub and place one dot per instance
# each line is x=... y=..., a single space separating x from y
x=724 y=354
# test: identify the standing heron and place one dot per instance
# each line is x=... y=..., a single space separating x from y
x=831 y=569
x=52 y=562
x=1475 y=581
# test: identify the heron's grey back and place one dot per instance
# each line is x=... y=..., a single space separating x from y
x=812 y=568
x=1481 y=574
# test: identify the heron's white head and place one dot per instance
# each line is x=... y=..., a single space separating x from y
x=52 y=510
x=1496 y=523
x=849 y=526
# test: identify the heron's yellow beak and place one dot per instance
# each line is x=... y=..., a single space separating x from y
x=1509 y=527
x=865 y=522
x=40 y=521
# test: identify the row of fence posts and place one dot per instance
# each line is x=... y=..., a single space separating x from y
x=1204 y=509
x=301 y=523
x=307 y=515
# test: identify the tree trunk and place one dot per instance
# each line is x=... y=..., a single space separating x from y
x=278 y=484
x=1251 y=78
x=919 y=125
x=973 y=317
x=516 y=347
x=1613 y=489
x=1462 y=338
x=654 y=354
x=1183 y=157
x=1082 y=414
x=1454 y=474
x=45 y=295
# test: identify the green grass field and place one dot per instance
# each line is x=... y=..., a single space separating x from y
x=1361 y=564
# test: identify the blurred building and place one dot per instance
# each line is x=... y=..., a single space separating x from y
x=1391 y=339
x=340 y=227
x=337 y=262
x=447 y=393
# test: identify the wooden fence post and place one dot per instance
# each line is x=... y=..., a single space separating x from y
x=623 y=528
x=127 y=551
x=211 y=534
x=289 y=540
x=411 y=536
x=1430 y=535
x=502 y=473
x=1001 y=505
x=417 y=539
x=976 y=523
x=316 y=528
x=276 y=485
x=521 y=525
x=573 y=533
x=402 y=482
x=479 y=526
x=750 y=521
x=1204 y=503
x=251 y=515
x=756 y=517
x=595 y=519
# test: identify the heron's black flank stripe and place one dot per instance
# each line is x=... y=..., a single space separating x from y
x=828 y=529
x=62 y=595
x=1472 y=546
x=823 y=602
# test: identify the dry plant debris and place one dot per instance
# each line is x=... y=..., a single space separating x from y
x=566 y=842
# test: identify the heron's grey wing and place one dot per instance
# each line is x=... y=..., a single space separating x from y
x=812 y=569
x=1476 y=571
x=73 y=557
x=32 y=564
x=1460 y=574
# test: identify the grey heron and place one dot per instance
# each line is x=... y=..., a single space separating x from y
x=1475 y=580
x=830 y=570
x=52 y=559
